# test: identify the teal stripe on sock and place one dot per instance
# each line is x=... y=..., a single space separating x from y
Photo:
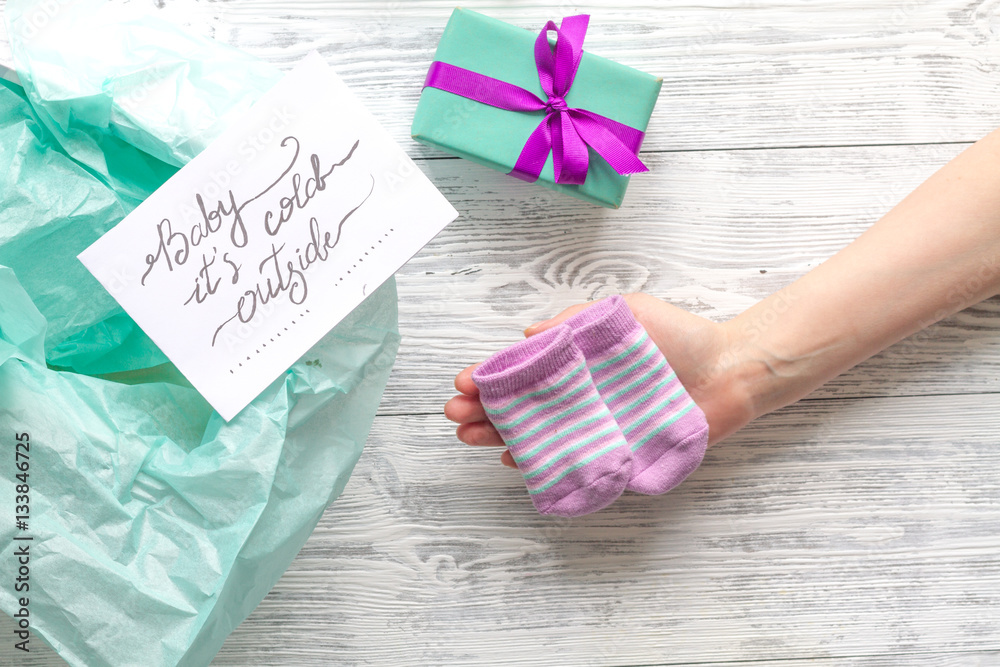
x=538 y=392
x=644 y=378
x=647 y=396
x=531 y=413
x=552 y=420
x=621 y=355
x=630 y=369
x=670 y=399
x=549 y=441
x=576 y=466
x=639 y=443
x=645 y=418
x=563 y=454
x=549 y=422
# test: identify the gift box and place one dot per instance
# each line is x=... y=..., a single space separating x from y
x=471 y=106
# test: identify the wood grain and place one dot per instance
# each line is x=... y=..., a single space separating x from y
x=759 y=73
x=738 y=74
x=712 y=232
x=817 y=532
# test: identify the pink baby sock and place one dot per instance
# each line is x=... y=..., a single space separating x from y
x=665 y=430
x=539 y=395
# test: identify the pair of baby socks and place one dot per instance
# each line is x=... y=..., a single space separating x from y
x=591 y=408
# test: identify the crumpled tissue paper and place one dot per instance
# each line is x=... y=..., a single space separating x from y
x=156 y=527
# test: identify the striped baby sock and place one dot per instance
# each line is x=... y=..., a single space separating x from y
x=664 y=428
x=539 y=395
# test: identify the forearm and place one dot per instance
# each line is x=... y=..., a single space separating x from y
x=934 y=254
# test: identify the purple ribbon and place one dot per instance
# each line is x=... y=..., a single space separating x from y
x=564 y=132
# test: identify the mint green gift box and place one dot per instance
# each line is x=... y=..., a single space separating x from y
x=494 y=137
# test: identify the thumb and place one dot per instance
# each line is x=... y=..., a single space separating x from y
x=539 y=327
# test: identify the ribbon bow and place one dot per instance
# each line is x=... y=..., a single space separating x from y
x=564 y=132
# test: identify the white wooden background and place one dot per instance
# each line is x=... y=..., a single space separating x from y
x=858 y=527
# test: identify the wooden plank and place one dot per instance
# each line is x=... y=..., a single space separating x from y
x=866 y=528
x=835 y=528
x=957 y=659
x=700 y=230
x=736 y=74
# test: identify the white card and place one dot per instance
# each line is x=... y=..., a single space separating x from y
x=254 y=250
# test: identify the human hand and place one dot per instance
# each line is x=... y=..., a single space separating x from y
x=702 y=352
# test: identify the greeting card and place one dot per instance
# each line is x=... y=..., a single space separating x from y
x=260 y=245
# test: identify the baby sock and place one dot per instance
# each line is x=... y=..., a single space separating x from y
x=665 y=430
x=540 y=397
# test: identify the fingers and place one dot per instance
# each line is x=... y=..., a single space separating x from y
x=479 y=434
x=474 y=428
x=482 y=434
x=464 y=383
x=558 y=319
x=465 y=410
x=507 y=459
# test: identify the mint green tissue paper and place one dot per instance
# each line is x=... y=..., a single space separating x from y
x=494 y=137
x=156 y=526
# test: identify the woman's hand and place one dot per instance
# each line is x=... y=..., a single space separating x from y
x=702 y=353
x=935 y=253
